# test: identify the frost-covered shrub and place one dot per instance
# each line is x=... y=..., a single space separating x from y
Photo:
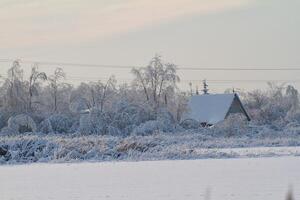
x=166 y=117
x=149 y=127
x=127 y=116
x=274 y=107
x=5 y=155
x=113 y=131
x=55 y=124
x=45 y=126
x=85 y=125
x=278 y=124
x=95 y=122
x=163 y=123
x=122 y=121
x=140 y=113
x=31 y=149
x=3 y=118
x=292 y=128
x=272 y=112
x=78 y=105
x=293 y=116
x=8 y=131
x=190 y=124
x=22 y=123
x=75 y=127
x=133 y=144
x=60 y=123
x=234 y=124
x=73 y=155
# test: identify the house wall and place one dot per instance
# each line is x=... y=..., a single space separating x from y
x=236 y=107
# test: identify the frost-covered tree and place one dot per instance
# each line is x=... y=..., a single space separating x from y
x=94 y=94
x=178 y=105
x=293 y=97
x=55 y=85
x=14 y=90
x=104 y=92
x=274 y=106
x=151 y=103
x=82 y=98
x=156 y=80
x=33 y=84
x=108 y=90
x=94 y=122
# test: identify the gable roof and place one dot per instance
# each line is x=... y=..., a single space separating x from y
x=211 y=108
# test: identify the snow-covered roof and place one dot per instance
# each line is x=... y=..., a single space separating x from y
x=210 y=108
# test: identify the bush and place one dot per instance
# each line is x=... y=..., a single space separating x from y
x=127 y=116
x=60 y=123
x=149 y=128
x=22 y=123
x=234 y=124
x=190 y=124
x=8 y=131
x=132 y=144
x=293 y=116
x=56 y=124
x=95 y=122
x=45 y=127
x=3 y=118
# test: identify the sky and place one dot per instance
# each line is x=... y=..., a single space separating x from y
x=189 y=33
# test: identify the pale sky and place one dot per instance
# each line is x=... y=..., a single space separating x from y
x=204 y=33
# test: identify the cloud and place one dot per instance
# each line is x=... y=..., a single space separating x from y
x=50 y=22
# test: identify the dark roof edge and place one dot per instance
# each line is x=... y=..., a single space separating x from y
x=242 y=106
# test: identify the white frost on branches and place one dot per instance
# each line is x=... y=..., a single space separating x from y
x=22 y=123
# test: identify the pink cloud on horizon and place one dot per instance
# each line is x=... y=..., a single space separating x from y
x=30 y=23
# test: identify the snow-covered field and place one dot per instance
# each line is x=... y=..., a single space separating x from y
x=215 y=179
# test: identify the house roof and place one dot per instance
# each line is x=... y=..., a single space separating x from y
x=210 y=108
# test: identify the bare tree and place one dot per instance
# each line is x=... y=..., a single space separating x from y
x=293 y=95
x=141 y=79
x=103 y=91
x=55 y=84
x=93 y=94
x=15 y=88
x=34 y=80
x=155 y=79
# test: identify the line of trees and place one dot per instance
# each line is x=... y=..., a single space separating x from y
x=92 y=107
x=45 y=103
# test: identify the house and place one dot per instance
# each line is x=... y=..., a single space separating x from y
x=209 y=109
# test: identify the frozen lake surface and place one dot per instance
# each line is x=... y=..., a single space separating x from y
x=214 y=179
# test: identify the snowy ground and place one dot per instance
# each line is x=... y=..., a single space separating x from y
x=215 y=179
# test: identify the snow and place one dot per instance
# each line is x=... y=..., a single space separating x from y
x=210 y=108
x=235 y=179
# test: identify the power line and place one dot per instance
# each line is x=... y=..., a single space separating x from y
x=193 y=80
x=182 y=68
x=211 y=81
x=72 y=78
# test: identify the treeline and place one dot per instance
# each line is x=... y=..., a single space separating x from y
x=152 y=102
x=45 y=102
